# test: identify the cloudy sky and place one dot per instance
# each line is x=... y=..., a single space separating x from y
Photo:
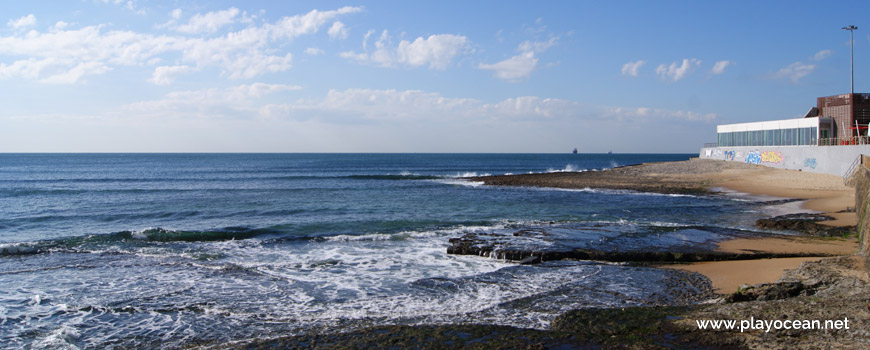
x=412 y=76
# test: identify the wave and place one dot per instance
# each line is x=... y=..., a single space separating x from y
x=609 y=191
x=396 y=177
x=570 y=168
x=164 y=235
x=90 y=243
x=131 y=241
x=462 y=182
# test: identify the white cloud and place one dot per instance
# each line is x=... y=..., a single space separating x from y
x=645 y=114
x=366 y=38
x=60 y=25
x=438 y=51
x=821 y=55
x=207 y=23
x=367 y=105
x=794 y=72
x=28 y=69
x=309 y=23
x=74 y=74
x=239 y=101
x=259 y=117
x=23 y=22
x=514 y=68
x=165 y=75
x=537 y=46
x=632 y=68
x=520 y=66
x=128 y=4
x=720 y=66
x=415 y=105
x=66 y=54
x=338 y=31
x=313 y=51
x=676 y=72
x=175 y=14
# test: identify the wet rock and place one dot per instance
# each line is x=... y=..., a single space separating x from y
x=471 y=244
x=804 y=223
x=771 y=291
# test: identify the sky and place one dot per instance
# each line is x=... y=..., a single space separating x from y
x=413 y=76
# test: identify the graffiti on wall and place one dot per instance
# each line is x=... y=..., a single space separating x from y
x=753 y=157
x=771 y=157
x=729 y=155
x=756 y=157
x=810 y=163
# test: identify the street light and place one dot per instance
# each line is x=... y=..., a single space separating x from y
x=851 y=29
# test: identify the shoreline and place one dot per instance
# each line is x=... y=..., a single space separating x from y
x=729 y=276
x=819 y=192
x=811 y=289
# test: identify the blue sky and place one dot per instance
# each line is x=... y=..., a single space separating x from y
x=412 y=76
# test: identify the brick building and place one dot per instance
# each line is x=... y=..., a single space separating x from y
x=846 y=109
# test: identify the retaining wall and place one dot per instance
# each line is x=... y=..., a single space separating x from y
x=861 y=180
x=835 y=160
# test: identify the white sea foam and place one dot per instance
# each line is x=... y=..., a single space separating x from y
x=16 y=249
x=570 y=168
x=61 y=338
x=795 y=207
x=611 y=191
x=403 y=278
x=461 y=182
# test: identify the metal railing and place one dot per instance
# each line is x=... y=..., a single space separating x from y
x=848 y=175
x=711 y=145
x=845 y=141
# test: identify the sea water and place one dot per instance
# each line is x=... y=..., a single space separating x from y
x=127 y=250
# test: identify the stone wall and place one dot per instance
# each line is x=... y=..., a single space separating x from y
x=861 y=180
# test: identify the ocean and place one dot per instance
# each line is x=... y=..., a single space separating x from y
x=131 y=250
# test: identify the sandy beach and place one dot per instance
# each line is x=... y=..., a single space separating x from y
x=822 y=193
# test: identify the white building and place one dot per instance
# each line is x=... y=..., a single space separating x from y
x=787 y=132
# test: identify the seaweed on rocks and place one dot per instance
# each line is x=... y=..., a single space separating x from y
x=812 y=224
x=471 y=245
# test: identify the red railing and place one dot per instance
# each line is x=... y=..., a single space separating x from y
x=845 y=141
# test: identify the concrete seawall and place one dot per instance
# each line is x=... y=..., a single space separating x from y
x=834 y=160
x=846 y=161
x=861 y=180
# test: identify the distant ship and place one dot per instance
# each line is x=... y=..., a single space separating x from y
x=609 y=152
x=575 y=151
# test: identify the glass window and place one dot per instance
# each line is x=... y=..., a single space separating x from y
x=771 y=137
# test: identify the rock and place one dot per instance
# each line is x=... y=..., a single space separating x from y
x=804 y=223
x=771 y=291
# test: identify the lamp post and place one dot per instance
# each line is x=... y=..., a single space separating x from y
x=851 y=29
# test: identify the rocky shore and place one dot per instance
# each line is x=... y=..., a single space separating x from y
x=470 y=244
x=828 y=289
x=666 y=178
x=832 y=288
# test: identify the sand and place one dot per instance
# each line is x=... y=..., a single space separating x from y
x=824 y=193
x=728 y=276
